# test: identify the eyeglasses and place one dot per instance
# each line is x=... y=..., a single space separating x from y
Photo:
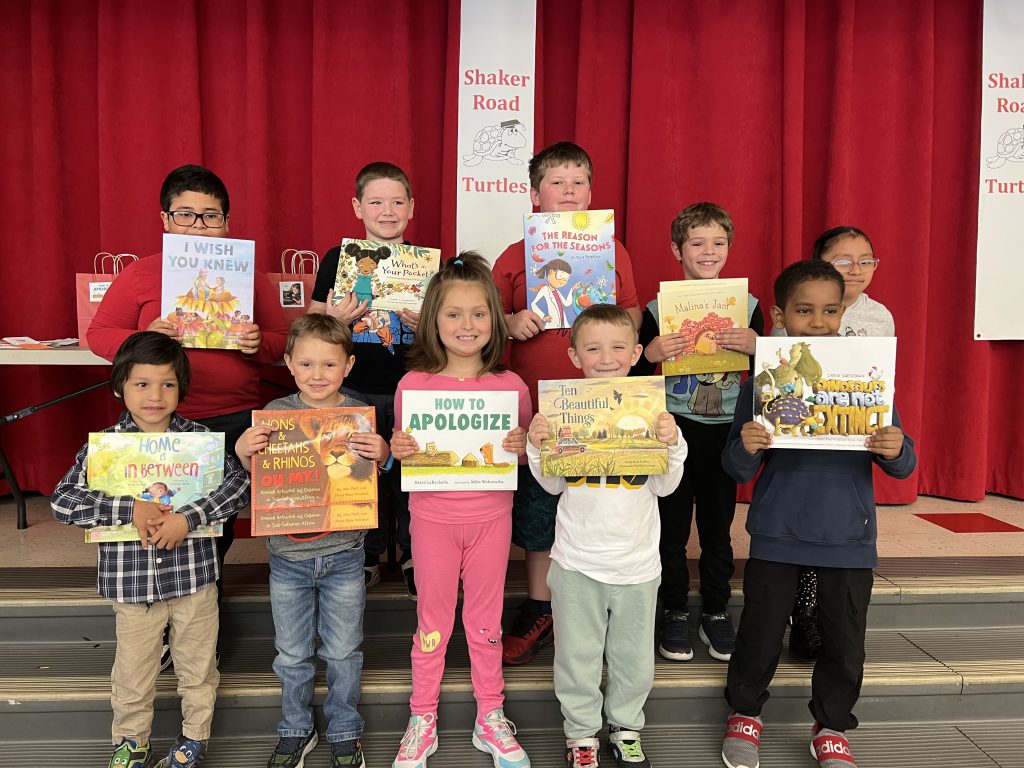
x=188 y=218
x=845 y=265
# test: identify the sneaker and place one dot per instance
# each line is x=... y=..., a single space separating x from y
x=742 y=741
x=581 y=753
x=625 y=748
x=131 y=754
x=531 y=630
x=347 y=754
x=830 y=748
x=409 y=579
x=718 y=635
x=419 y=742
x=165 y=652
x=496 y=734
x=674 y=643
x=185 y=753
x=291 y=751
x=371 y=573
x=804 y=636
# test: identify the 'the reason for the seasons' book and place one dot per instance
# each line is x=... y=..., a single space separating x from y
x=164 y=467
x=700 y=310
x=602 y=427
x=824 y=392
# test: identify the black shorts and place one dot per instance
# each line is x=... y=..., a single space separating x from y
x=533 y=514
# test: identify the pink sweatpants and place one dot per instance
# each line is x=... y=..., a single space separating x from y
x=478 y=553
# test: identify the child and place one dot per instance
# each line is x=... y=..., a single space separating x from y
x=604 y=570
x=560 y=178
x=316 y=580
x=820 y=512
x=384 y=203
x=701 y=237
x=460 y=347
x=164 y=577
x=849 y=250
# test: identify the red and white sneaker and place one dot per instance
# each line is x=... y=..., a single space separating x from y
x=582 y=753
x=419 y=742
x=830 y=748
x=742 y=741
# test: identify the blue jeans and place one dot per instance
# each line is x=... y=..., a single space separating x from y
x=325 y=596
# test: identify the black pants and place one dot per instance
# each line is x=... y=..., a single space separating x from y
x=768 y=592
x=715 y=494
x=232 y=425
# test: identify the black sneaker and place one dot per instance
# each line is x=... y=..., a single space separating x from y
x=625 y=748
x=347 y=754
x=718 y=635
x=291 y=751
x=165 y=652
x=804 y=636
x=674 y=642
x=409 y=578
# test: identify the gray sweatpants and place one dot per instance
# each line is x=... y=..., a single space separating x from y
x=595 y=620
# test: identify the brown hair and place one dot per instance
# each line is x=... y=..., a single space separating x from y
x=601 y=313
x=700 y=215
x=427 y=353
x=323 y=327
x=562 y=153
x=381 y=170
x=150 y=348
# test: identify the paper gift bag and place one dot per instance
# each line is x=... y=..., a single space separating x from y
x=294 y=283
x=90 y=287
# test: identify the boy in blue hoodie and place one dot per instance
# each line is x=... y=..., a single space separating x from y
x=810 y=508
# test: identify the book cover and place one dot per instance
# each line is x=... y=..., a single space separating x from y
x=700 y=310
x=602 y=427
x=570 y=263
x=173 y=468
x=307 y=480
x=389 y=275
x=207 y=289
x=824 y=392
x=459 y=435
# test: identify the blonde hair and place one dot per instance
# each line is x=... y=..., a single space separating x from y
x=601 y=313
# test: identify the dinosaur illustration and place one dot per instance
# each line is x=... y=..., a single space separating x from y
x=788 y=413
x=790 y=375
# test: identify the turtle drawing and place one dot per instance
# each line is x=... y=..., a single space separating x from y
x=1010 y=147
x=790 y=415
x=497 y=142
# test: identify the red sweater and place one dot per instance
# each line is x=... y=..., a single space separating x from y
x=223 y=381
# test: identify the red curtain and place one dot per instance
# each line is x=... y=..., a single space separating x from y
x=794 y=115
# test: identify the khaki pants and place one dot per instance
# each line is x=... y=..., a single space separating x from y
x=194 y=622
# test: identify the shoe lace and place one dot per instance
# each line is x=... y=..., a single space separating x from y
x=584 y=757
x=504 y=730
x=809 y=626
x=632 y=748
x=527 y=623
x=414 y=735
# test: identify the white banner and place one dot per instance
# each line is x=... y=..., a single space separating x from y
x=1001 y=197
x=496 y=88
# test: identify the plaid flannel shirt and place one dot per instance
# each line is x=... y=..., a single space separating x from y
x=127 y=573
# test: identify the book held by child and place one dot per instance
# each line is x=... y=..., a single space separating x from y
x=388 y=275
x=163 y=467
x=570 y=263
x=700 y=310
x=307 y=479
x=824 y=392
x=207 y=289
x=602 y=427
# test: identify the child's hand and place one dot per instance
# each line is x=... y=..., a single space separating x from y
x=403 y=445
x=887 y=442
x=665 y=427
x=524 y=325
x=253 y=440
x=146 y=516
x=539 y=430
x=515 y=441
x=369 y=445
x=171 y=531
x=737 y=340
x=755 y=437
x=664 y=347
x=410 y=318
x=166 y=327
x=249 y=340
x=348 y=310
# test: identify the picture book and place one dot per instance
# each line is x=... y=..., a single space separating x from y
x=388 y=275
x=824 y=392
x=602 y=427
x=700 y=310
x=459 y=436
x=165 y=467
x=207 y=289
x=570 y=263
x=308 y=480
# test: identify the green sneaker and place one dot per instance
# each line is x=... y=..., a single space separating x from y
x=343 y=756
x=131 y=754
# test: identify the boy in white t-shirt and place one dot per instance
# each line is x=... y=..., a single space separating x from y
x=605 y=568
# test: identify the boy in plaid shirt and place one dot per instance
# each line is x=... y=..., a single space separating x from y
x=164 y=578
